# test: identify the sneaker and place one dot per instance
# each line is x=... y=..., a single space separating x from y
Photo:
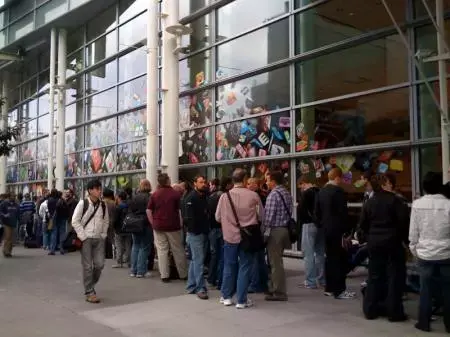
x=165 y=280
x=132 y=275
x=346 y=295
x=363 y=284
x=244 y=305
x=148 y=274
x=92 y=298
x=139 y=276
x=306 y=286
x=327 y=293
x=202 y=295
x=226 y=302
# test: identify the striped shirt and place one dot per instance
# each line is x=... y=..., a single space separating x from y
x=275 y=214
x=27 y=206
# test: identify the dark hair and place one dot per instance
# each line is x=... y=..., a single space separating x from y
x=128 y=191
x=197 y=177
x=305 y=179
x=108 y=193
x=239 y=175
x=54 y=193
x=215 y=182
x=123 y=195
x=60 y=194
x=432 y=183
x=163 y=179
x=224 y=182
x=92 y=184
x=377 y=181
x=277 y=176
x=392 y=179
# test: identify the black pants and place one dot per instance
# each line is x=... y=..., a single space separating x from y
x=434 y=282
x=336 y=266
x=387 y=274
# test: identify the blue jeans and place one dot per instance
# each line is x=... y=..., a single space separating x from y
x=216 y=260
x=259 y=275
x=236 y=272
x=142 y=243
x=313 y=245
x=58 y=232
x=196 y=245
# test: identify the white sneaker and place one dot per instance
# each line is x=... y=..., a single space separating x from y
x=227 y=302
x=346 y=295
x=245 y=305
x=132 y=275
x=148 y=274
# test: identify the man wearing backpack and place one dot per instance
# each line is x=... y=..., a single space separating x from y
x=91 y=221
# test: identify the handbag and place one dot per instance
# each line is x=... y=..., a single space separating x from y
x=134 y=223
x=252 y=240
x=292 y=227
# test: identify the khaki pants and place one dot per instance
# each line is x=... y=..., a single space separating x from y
x=278 y=241
x=173 y=242
x=8 y=235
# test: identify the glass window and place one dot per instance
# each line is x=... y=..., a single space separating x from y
x=12 y=117
x=368 y=66
x=234 y=18
x=3 y=38
x=28 y=89
x=29 y=110
x=103 y=22
x=50 y=11
x=129 y=181
x=420 y=10
x=196 y=146
x=101 y=133
x=131 y=156
x=75 y=63
x=356 y=121
x=133 y=32
x=101 y=78
x=133 y=93
x=234 y=57
x=100 y=160
x=44 y=82
x=336 y=21
x=392 y=161
x=132 y=64
x=14 y=97
x=74 y=114
x=20 y=8
x=21 y=28
x=189 y=7
x=75 y=39
x=201 y=34
x=303 y=3
x=195 y=71
x=3 y=18
x=12 y=174
x=43 y=102
x=130 y=8
x=75 y=89
x=73 y=164
x=42 y=150
x=264 y=92
x=132 y=125
x=12 y=158
x=254 y=137
x=102 y=48
x=27 y=172
x=196 y=109
x=430 y=158
x=29 y=130
x=74 y=140
x=27 y=152
x=76 y=3
x=44 y=125
x=101 y=105
x=42 y=170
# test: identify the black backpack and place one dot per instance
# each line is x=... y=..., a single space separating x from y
x=86 y=206
x=62 y=209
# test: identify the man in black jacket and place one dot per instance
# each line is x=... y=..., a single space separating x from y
x=196 y=219
x=332 y=215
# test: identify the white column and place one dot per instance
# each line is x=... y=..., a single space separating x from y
x=60 y=132
x=51 y=107
x=170 y=81
x=443 y=87
x=152 y=150
x=3 y=125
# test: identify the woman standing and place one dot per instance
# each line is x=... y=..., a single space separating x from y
x=384 y=221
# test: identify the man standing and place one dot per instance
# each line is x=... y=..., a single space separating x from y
x=59 y=226
x=164 y=215
x=26 y=213
x=9 y=212
x=332 y=215
x=196 y=218
x=92 y=228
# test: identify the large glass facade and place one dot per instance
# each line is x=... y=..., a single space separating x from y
x=298 y=85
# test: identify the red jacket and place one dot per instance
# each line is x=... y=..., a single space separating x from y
x=165 y=207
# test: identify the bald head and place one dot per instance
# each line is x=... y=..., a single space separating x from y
x=239 y=176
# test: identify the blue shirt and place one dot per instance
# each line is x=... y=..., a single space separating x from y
x=27 y=206
x=275 y=213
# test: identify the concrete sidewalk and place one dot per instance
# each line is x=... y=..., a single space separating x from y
x=41 y=295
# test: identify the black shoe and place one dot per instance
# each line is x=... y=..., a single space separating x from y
x=422 y=328
x=7 y=255
x=165 y=280
x=402 y=318
x=51 y=253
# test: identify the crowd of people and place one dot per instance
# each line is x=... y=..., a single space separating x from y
x=210 y=232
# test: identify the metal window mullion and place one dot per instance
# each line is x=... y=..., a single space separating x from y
x=213 y=24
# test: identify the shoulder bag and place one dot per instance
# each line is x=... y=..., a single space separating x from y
x=292 y=227
x=252 y=240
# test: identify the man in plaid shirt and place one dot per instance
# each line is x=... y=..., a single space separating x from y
x=276 y=219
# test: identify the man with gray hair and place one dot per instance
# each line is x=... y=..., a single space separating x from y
x=240 y=207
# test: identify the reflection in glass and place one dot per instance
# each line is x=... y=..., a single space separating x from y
x=133 y=93
x=130 y=8
x=234 y=18
x=72 y=164
x=75 y=63
x=132 y=64
x=200 y=37
x=101 y=133
x=21 y=28
x=27 y=172
x=101 y=23
x=99 y=161
x=42 y=148
x=132 y=32
x=102 y=48
x=29 y=130
x=12 y=174
x=430 y=159
x=74 y=114
x=12 y=158
x=101 y=78
x=261 y=93
x=44 y=82
x=131 y=156
x=28 y=110
x=189 y=7
x=74 y=140
x=195 y=146
x=420 y=10
x=42 y=170
x=75 y=89
x=371 y=65
x=44 y=125
x=129 y=181
x=101 y=105
x=363 y=120
x=196 y=109
x=50 y=11
x=27 y=152
x=256 y=137
x=429 y=114
x=132 y=125
x=393 y=161
x=195 y=71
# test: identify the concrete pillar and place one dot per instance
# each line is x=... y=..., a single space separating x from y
x=3 y=125
x=152 y=148
x=60 y=132
x=170 y=82
x=51 y=107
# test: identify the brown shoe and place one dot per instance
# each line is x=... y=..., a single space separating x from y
x=202 y=295
x=92 y=298
x=276 y=297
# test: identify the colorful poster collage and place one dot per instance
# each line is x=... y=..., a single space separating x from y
x=132 y=126
x=72 y=165
x=99 y=161
x=131 y=156
x=195 y=146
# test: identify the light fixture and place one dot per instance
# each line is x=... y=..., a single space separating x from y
x=179 y=30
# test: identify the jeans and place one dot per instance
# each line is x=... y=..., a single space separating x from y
x=259 y=274
x=46 y=236
x=216 y=259
x=92 y=261
x=434 y=282
x=237 y=268
x=313 y=245
x=58 y=232
x=196 y=245
x=123 y=248
x=142 y=243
